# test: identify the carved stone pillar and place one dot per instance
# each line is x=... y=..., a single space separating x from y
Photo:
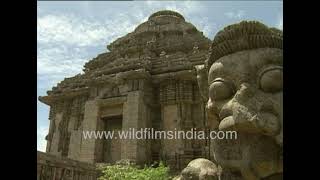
x=172 y=93
x=170 y=122
x=49 y=137
x=91 y=116
x=75 y=128
x=56 y=135
x=75 y=144
x=134 y=116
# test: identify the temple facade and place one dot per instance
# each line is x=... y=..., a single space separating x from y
x=146 y=79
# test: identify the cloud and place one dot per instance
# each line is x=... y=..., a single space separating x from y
x=171 y=5
x=189 y=9
x=55 y=62
x=280 y=23
x=69 y=29
x=186 y=8
x=203 y=24
x=42 y=131
x=235 y=14
x=67 y=41
x=58 y=60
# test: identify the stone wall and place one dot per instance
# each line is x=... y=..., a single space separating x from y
x=51 y=167
x=181 y=110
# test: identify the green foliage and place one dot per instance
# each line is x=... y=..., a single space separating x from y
x=128 y=172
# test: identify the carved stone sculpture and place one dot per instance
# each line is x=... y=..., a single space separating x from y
x=201 y=169
x=245 y=95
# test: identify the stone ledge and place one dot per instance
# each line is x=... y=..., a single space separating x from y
x=112 y=101
x=52 y=167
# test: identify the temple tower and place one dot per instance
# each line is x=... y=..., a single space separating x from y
x=146 y=79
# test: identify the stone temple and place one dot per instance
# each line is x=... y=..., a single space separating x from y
x=147 y=79
x=166 y=75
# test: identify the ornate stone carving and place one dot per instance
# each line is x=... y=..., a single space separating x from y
x=64 y=138
x=195 y=49
x=172 y=92
x=50 y=167
x=52 y=127
x=202 y=79
x=78 y=111
x=245 y=94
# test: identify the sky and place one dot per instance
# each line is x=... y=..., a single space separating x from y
x=69 y=34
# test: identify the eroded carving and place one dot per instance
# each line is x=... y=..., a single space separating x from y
x=245 y=94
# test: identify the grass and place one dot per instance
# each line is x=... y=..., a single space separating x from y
x=130 y=171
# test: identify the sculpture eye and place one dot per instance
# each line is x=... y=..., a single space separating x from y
x=220 y=90
x=271 y=80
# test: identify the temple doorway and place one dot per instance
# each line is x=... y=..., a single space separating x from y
x=112 y=147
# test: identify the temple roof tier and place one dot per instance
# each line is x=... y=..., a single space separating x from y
x=165 y=43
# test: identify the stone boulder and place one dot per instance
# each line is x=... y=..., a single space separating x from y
x=201 y=169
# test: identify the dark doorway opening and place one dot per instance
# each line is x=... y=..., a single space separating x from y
x=112 y=147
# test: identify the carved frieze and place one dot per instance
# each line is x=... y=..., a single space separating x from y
x=64 y=137
x=172 y=92
x=50 y=167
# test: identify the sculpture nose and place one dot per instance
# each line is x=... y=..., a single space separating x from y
x=235 y=115
x=240 y=97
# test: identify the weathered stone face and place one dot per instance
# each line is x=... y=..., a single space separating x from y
x=245 y=93
x=245 y=89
